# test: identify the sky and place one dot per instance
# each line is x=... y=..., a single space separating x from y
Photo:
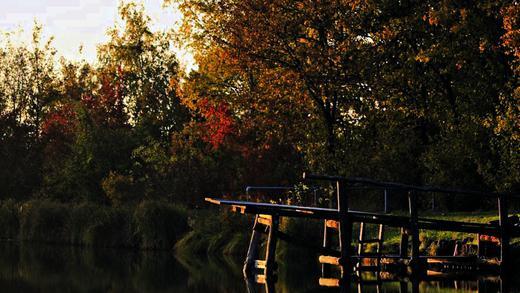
x=75 y=23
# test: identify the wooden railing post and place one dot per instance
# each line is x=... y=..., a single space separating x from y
x=345 y=227
x=414 y=230
x=504 y=232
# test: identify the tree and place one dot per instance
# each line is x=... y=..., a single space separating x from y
x=27 y=88
x=148 y=73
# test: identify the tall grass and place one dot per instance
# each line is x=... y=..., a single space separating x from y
x=216 y=232
x=149 y=225
x=9 y=220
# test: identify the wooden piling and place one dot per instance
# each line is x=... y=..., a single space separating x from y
x=345 y=228
x=504 y=232
x=403 y=245
x=327 y=238
x=252 y=251
x=271 y=246
x=414 y=231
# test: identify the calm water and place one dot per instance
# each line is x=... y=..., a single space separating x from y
x=40 y=268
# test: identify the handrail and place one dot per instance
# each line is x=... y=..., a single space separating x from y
x=394 y=185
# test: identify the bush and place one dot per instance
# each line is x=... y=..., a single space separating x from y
x=82 y=217
x=216 y=232
x=44 y=221
x=158 y=225
x=110 y=227
x=149 y=225
x=9 y=220
x=120 y=189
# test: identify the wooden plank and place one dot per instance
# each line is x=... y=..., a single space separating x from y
x=266 y=205
x=260 y=264
x=265 y=220
x=329 y=282
x=357 y=216
x=261 y=279
x=332 y=224
x=238 y=209
x=327 y=259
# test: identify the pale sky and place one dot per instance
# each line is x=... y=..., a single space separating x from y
x=79 y=22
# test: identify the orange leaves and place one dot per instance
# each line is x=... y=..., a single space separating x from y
x=422 y=57
x=511 y=23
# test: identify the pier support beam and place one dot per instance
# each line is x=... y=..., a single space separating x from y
x=270 y=252
x=505 y=237
x=415 y=263
x=345 y=228
x=263 y=224
x=252 y=251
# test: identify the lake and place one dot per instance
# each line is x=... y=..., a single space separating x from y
x=47 y=268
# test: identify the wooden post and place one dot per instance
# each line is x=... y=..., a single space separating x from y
x=325 y=268
x=271 y=246
x=504 y=232
x=415 y=285
x=387 y=208
x=403 y=246
x=252 y=251
x=412 y=203
x=403 y=287
x=479 y=246
x=345 y=228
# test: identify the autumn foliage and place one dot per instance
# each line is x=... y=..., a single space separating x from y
x=423 y=92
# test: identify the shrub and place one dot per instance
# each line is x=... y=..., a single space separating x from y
x=83 y=216
x=215 y=232
x=9 y=219
x=158 y=225
x=44 y=221
x=120 y=189
x=110 y=227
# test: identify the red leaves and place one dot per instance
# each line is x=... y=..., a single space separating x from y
x=60 y=122
x=219 y=123
x=107 y=106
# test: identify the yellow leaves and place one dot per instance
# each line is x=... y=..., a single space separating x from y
x=482 y=46
x=355 y=4
x=455 y=28
x=312 y=33
x=422 y=57
x=511 y=23
x=463 y=14
x=387 y=34
x=303 y=41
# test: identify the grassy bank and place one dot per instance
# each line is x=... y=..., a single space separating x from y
x=148 y=225
x=162 y=225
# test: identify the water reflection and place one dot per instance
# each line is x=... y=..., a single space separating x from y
x=45 y=268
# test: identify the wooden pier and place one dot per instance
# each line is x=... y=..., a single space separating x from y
x=338 y=223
